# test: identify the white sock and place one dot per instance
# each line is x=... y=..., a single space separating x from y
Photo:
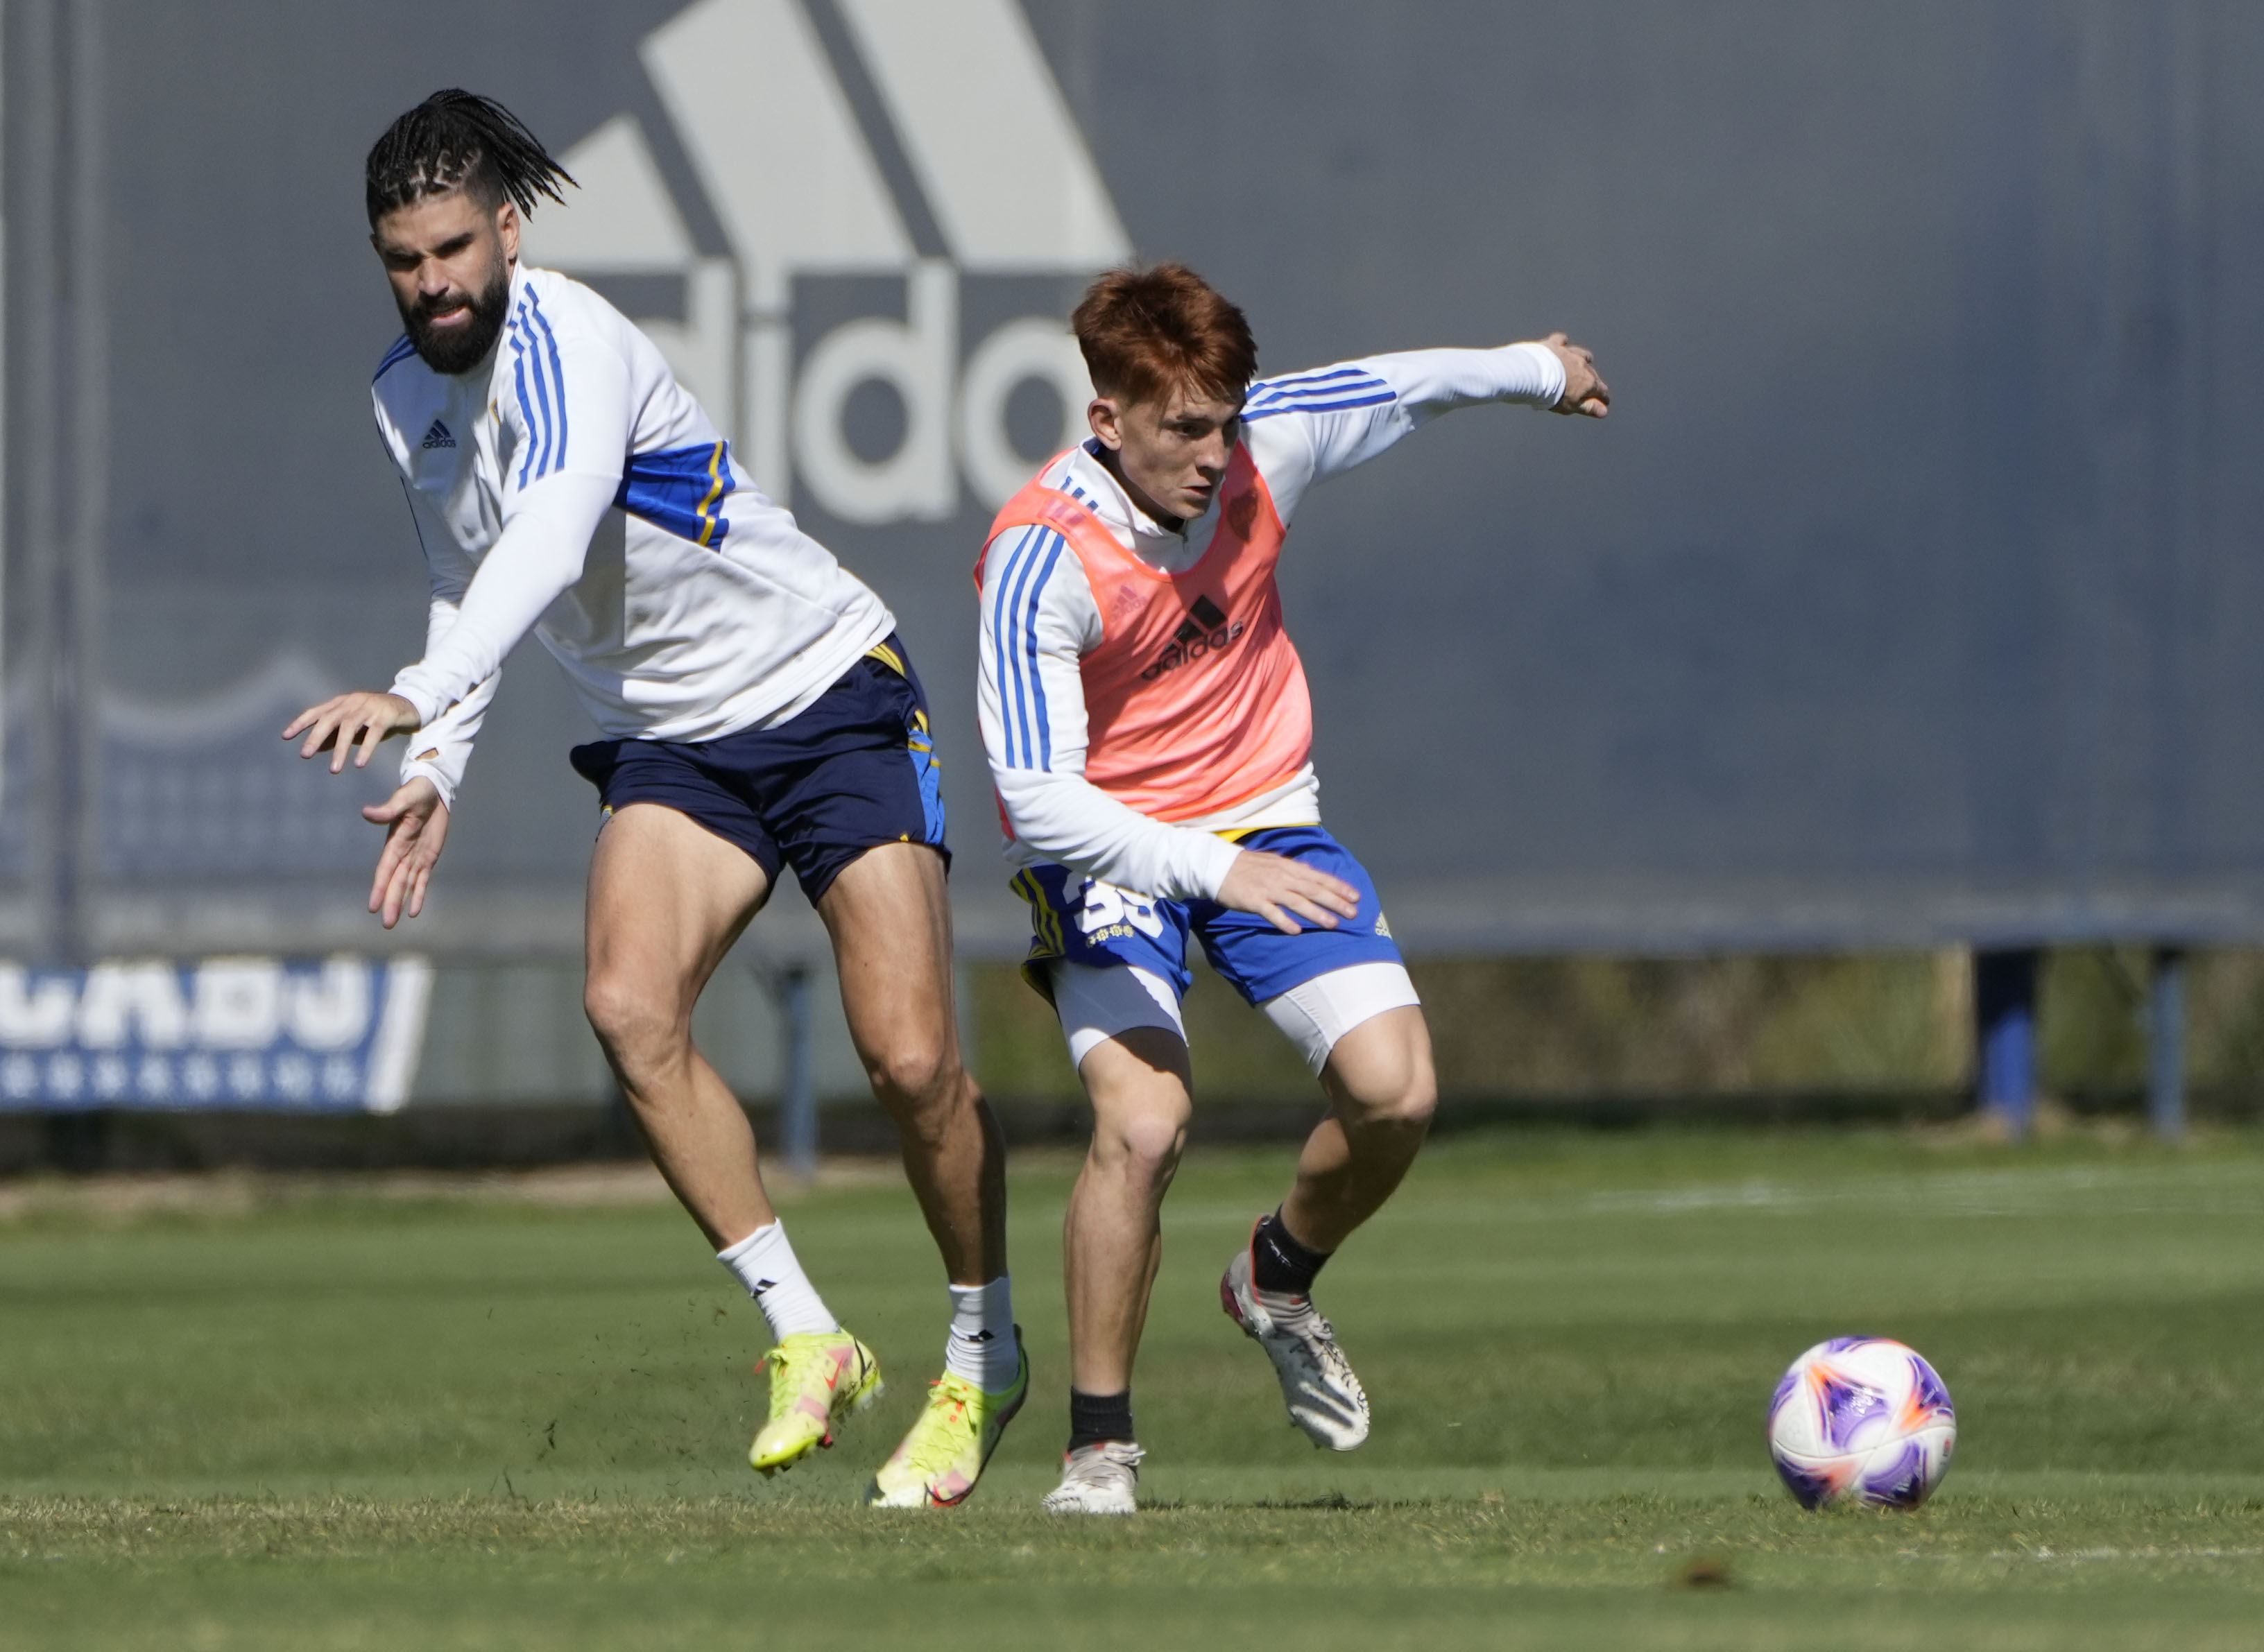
x=982 y=1348
x=765 y=1263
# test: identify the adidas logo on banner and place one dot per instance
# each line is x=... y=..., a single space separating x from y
x=924 y=140
x=437 y=436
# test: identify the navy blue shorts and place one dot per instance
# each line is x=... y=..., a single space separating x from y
x=1087 y=921
x=856 y=770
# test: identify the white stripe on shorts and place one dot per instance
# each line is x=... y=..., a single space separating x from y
x=1096 y=1003
x=1316 y=1013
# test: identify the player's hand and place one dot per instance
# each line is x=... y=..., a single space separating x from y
x=1281 y=891
x=1584 y=391
x=417 y=823
x=336 y=725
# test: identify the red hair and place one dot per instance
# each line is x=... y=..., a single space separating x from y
x=1147 y=333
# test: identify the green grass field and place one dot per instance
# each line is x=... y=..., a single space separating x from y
x=335 y=1420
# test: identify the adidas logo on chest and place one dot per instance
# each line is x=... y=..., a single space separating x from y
x=437 y=436
x=1205 y=631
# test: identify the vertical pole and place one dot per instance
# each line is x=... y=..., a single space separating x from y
x=86 y=470
x=35 y=456
x=798 y=1115
x=6 y=493
x=59 y=471
x=2165 y=1034
x=2005 y=1016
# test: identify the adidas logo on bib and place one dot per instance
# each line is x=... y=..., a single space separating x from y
x=437 y=436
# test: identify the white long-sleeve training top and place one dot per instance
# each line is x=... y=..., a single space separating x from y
x=1300 y=428
x=571 y=487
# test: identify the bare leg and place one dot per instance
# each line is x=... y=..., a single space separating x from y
x=1111 y=1238
x=1381 y=1093
x=890 y=920
x=667 y=899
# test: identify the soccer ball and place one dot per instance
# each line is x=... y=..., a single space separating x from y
x=1861 y=1419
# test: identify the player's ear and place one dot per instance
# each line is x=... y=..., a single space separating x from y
x=1107 y=421
x=507 y=231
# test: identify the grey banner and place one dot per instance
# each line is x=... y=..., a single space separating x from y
x=1909 y=594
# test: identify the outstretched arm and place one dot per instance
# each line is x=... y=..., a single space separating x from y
x=1038 y=618
x=1307 y=427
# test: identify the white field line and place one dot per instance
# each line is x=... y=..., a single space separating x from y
x=2198 y=1191
x=2147 y=1553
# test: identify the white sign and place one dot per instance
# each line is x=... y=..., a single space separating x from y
x=337 y=1034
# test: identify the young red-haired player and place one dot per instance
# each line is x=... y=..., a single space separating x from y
x=1150 y=734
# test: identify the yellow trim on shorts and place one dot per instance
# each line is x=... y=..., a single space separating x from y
x=1236 y=833
x=1043 y=918
x=889 y=657
x=1047 y=944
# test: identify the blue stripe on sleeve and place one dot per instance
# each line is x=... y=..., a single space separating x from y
x=542 y=465
x=1376 y=399
x=526 y=407
x=1030 y=645
x=1010 y=681
x=994 y=591
x=1296 y=384
x=557 y=375
x=401 y=351
x=1028 y=569
x=1318 y=394
x=680 y=490
x=1291 y=380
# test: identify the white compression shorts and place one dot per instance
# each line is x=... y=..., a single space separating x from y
x=1095 y=1005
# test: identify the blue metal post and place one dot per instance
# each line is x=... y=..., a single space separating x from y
x=2165 y=1036
x=798 y=1109
x=2005 y=1016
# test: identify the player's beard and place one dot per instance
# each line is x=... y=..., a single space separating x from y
x=462 y=348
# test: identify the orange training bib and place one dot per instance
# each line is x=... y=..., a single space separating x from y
x=1196 y=699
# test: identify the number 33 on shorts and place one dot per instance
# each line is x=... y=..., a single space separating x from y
x=1107 y=910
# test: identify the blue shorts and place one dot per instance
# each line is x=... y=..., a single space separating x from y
x=856 y=769
x=1086 y=921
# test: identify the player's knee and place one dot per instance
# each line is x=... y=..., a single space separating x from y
x=1155 y=1143
x=1147 y=1143
x=631 y=1021
x=913 y=1075
x=1403 y=1099
x=1417 y=1100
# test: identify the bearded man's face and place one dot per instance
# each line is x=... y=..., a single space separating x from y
x=447 y=259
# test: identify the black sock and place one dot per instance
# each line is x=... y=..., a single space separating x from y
x=1279 y=1264
x=1096 y=1419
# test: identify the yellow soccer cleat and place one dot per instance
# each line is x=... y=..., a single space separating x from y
x=939 y=1462
x=817 y=1379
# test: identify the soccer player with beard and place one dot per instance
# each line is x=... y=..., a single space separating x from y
x=757 y=711
x=1150 y=734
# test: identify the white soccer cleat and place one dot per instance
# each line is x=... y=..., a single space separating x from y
x=1323 y=1397
x=1100 y=1479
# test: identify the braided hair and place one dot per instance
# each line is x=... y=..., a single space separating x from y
x=460 y=141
